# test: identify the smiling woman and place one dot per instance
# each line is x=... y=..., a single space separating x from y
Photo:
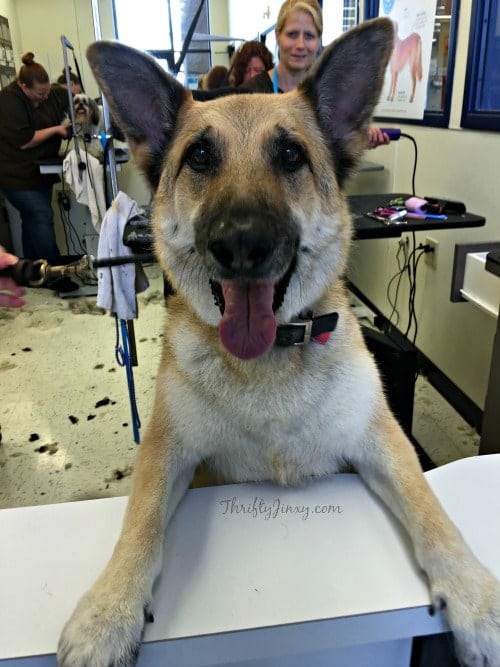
x=298 y=31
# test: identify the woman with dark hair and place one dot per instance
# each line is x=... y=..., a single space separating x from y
x=75 y=83
x=251 y=59
x=32 y=125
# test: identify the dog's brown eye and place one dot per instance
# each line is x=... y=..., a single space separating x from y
x=292 y=157
x=199 y=157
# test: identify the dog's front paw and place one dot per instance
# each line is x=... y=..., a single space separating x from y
x=473 y=613
x=103 y=631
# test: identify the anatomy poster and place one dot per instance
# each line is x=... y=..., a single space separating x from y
x=405 y=87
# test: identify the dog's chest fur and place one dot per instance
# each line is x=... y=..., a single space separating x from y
x=293 y=414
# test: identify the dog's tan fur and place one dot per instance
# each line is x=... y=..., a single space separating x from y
x=407 y=51
x=231 y=168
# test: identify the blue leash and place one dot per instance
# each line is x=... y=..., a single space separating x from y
x=122 y=355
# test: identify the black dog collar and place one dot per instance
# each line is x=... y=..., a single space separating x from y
x=305 y=330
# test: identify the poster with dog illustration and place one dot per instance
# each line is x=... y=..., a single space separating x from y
x=405 y=88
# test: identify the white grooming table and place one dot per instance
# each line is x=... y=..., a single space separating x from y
x=329 y=580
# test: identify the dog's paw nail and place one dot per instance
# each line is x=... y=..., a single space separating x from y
x=439 y=606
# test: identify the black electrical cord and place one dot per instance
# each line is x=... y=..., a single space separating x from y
x=408 y=136
x=409 y=268
x=78 y=72
x=62 y=213
x=89 y=171
x=397 y=276
x=411 y=301
x=105 y=160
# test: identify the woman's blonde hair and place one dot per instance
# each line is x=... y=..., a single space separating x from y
x=311 y=7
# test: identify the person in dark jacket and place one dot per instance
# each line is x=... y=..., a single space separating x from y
x=33 y=122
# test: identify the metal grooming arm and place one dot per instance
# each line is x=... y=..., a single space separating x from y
x=66 y=44
x=105 y=112
x=114 y=188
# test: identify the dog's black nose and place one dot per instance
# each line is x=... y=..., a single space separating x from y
x=250 y=242
x=242 y=251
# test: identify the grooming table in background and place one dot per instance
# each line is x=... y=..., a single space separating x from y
x=367 y=228
x=54 y=165
x=317 y=575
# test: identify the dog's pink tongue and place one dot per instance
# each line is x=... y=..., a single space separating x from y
x=248 y=326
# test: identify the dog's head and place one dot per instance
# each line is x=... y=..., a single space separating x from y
x=86 y=110
x=248 y=201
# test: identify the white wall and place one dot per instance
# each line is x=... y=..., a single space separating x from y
x=219 y=25
x=247 y=19
x=42 y=22
x=454 y=163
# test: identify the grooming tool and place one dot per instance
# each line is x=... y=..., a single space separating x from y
x=394 y=133
x=35 y=272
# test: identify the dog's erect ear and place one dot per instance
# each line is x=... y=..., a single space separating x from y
x=143 y=99
x=344 y=86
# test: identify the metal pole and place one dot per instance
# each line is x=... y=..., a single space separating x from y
x=66 y=44
x=105 y=110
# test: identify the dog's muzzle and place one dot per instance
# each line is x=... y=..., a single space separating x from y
x=81 y=109
x=251 y=257
x=249 y=246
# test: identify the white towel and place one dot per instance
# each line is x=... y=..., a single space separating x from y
x=117 y=286
x=87 y=184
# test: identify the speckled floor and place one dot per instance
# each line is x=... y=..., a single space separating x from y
x=65 y=414
x=443 y=434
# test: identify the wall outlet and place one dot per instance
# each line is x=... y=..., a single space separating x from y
x=403 y=248
x=431 y=257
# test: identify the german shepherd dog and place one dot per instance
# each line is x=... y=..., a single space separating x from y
x=406 y=51
x=253 y=231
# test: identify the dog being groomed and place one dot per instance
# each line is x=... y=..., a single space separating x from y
x=253 y=230
x=88 y=116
